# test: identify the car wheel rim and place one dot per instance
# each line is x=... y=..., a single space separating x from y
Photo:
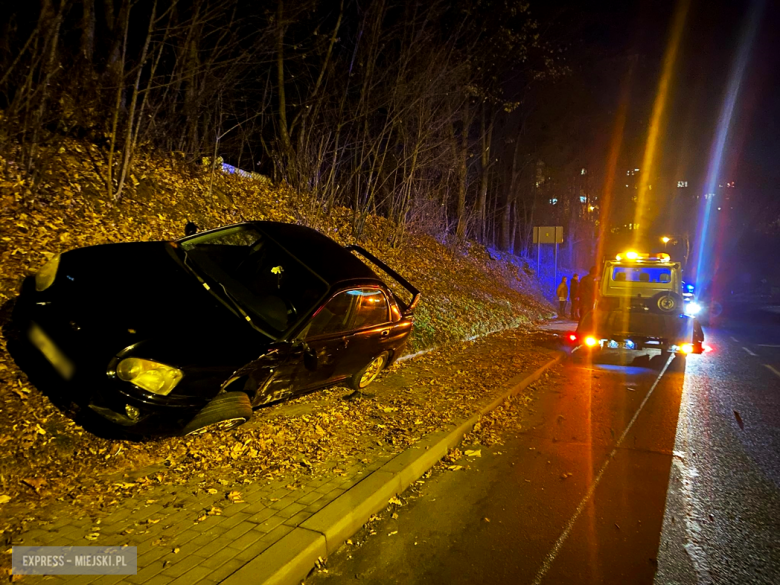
x=223 y=425
x=372 y=371
x=666 y=303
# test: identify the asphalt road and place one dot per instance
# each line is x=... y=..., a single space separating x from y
x=654 y=470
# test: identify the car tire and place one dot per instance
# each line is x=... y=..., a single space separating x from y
x=666 y=303
x=226 y=411
x=368 y=374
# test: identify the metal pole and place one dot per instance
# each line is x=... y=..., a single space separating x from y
x=538 y=258
x=555 y=278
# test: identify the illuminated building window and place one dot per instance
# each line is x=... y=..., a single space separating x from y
x=583 y=199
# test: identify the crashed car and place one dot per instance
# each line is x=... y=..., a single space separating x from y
x=193 y=334
x=641 y=306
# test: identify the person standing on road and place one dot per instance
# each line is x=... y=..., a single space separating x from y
x=562 y=293
x=574 y=297
x=587 y=291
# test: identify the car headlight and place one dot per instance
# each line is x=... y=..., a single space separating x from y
x=692 y=308
x=44 y=278
x=151 y=376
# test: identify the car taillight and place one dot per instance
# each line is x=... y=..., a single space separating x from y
x=572 y=337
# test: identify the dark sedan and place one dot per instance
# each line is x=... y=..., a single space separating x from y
x=192 y=334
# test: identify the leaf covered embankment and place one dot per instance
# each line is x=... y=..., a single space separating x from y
x=465 y=292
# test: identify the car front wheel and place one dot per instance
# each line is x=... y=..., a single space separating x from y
x=224 y=412
x=369 y=373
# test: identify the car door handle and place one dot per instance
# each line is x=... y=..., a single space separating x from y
x=385 y=333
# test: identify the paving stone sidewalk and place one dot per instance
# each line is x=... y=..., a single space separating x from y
x=204 y=530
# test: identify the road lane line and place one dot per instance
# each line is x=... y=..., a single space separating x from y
x=771 y=369
x=735 y=339
x=767 y=345
x=750 y=352
x=548 y=560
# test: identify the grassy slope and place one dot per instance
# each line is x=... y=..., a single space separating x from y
x=465 y=292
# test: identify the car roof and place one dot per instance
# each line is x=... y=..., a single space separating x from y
x=325 y=257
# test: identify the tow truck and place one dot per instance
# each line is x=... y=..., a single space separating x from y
x=640 y=306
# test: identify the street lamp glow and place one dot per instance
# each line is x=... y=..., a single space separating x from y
x=665 y=239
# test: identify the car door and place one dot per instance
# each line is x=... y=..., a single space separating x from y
x=371 y=330
x=326 y=341
x=310 y=361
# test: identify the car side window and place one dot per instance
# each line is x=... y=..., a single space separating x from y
x=371 y=308
x=333 y=317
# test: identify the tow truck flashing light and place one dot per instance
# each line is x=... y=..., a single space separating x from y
x=637 y=257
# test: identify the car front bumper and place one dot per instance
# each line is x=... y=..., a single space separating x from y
x=79 y=362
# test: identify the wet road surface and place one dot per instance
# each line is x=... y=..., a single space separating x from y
x=623 y=472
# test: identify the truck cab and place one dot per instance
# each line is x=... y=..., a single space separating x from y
x=641 y=306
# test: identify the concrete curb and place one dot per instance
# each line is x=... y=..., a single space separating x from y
x=289 y=561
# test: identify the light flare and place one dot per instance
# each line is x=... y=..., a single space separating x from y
x=645 y=211
x=703 y=260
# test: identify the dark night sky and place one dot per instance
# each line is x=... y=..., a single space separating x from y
x=604 y=36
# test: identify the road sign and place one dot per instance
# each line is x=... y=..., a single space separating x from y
x=548 y=235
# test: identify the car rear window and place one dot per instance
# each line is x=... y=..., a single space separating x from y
x=642 y=274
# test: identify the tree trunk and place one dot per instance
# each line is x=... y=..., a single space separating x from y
x=460 y=231
x=283 y=128
x=88 y=30
x=481 y=208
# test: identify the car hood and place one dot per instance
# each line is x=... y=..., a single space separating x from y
x=143 y=292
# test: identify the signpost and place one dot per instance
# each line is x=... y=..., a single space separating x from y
x=547 y=235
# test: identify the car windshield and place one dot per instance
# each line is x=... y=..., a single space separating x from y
x=643 y=274
x=258 y=275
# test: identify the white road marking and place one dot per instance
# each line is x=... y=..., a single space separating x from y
x=750 y=352
x=548 y=560
x=767 y=345
x=771 y=369
x=735 y=339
